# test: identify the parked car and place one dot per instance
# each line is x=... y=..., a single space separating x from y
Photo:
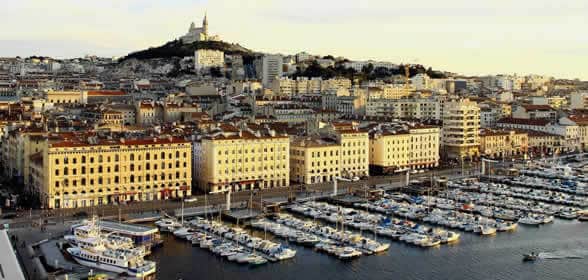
x=191 y=199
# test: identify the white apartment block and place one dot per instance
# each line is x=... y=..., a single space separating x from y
x=271 y=68
x=579 y=100
x=461 y=125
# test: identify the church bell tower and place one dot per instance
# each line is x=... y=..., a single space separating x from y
x=205 y=24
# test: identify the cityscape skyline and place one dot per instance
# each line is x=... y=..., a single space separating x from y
x=527 y=37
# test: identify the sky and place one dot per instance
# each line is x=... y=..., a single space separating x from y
x=464 y=36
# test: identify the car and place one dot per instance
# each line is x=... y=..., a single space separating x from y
x=355 y=179
x=8 y=216
x=191 y=199
x=80 y=214
x=414 y=171
x=422 y=171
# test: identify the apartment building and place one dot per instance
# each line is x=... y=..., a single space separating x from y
x=461 y=123
x=78 y=170
x=231 y=158
x=399 y=146
x=503 y=143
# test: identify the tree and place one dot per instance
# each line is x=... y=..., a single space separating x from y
x=216 y=72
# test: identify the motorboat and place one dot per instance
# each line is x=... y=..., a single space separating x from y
x=348 y=253
x=530 y=257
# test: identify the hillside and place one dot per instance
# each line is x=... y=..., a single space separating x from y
x=177 y=49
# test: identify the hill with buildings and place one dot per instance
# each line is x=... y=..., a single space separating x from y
x=180 y=49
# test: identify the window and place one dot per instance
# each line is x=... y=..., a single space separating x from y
x=132 y=157
x=56 y=161
x=65 y=171
x=162 y=155
x=56 y=172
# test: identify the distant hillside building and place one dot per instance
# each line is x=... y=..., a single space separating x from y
x=198 y=33
x=271 y=69
x=205 y=58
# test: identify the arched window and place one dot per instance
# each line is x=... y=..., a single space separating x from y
x=132 y=157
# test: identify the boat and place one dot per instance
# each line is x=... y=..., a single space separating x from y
x=113 y=260
x=530 y=257
x=348 y=253
x=507 y=226
x=529 y=220
x=184 y=232
x=486 y=230
x=167 y=225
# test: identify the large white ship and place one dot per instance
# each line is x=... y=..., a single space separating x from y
x=108 y=252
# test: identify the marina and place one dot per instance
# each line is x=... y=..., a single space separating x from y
x=466 y=213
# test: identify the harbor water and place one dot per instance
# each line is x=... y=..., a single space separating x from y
x=562 y=248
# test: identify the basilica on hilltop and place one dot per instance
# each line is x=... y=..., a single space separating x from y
x=199 y=33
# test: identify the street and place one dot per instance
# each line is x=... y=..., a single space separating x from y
x=37 y=217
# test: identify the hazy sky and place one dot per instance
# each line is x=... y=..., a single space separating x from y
x=465 y=36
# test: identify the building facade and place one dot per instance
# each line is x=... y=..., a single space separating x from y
x=239 y=160
x=72 y=173
x=461 y=123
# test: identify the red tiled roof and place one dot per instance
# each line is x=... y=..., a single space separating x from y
x=539 y=122
x=68 y=143
x=529 y=107
x=106 y=93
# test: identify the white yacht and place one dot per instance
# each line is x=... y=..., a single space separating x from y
x=94 y=254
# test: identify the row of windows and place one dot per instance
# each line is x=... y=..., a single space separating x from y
x=252 y=159
x=101 y=168
x=100 y=158
x=245 y=151
x=115 y=180
x=266 y=167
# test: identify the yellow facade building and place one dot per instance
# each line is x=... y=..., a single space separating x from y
x=314 y=160
x=406 y=146
x=234 y=159
x=503 y=143
x=341 y=151
x=82 y=171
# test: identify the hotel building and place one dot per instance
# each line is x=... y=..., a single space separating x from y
x=82 y=171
